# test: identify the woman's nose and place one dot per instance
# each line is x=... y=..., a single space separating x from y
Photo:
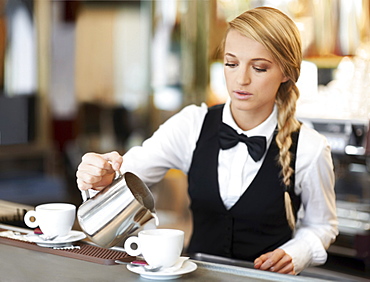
x=243 y=77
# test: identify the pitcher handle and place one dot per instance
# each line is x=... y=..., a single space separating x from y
x=87 y=195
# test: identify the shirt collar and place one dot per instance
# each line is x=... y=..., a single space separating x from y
x=266 y=128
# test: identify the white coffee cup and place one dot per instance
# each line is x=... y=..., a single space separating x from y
x=159 y=247
x=54 y=219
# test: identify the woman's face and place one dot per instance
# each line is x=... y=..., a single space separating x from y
x=252 y=76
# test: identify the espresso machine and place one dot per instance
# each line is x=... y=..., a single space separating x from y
x=350 y=145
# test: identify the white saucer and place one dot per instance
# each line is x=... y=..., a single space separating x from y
x=67 y=240
x=187 y=267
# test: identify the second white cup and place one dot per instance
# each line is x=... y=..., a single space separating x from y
x=159 y=247
x=54 y=219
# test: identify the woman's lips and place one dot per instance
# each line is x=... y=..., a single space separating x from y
x=242 y=95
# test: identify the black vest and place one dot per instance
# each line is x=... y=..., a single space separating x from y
x=257 y=223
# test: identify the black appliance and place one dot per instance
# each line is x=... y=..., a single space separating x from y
x=350 y=145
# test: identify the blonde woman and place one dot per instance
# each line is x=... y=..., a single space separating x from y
x=261 y=184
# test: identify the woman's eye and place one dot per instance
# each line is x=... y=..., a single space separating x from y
x=230 y=65
x=257 y=69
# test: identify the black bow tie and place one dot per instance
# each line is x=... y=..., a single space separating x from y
x=229 y=138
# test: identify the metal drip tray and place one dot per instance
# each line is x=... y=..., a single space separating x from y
x=85 y=251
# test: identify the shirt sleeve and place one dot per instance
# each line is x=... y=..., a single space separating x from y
x=171 y=146
x=317 y=226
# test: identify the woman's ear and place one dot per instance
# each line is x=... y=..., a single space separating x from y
x=285 y=79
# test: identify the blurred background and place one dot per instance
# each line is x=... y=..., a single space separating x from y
x=80 y=76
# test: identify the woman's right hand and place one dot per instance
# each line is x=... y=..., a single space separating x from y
x=96 y=171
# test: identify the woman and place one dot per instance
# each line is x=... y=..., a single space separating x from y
x=245 y=199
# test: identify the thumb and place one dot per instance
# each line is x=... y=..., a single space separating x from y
x=114 y=158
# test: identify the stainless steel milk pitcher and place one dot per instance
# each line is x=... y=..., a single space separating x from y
x=117 y=211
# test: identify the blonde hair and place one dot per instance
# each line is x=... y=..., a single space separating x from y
x=278 y=33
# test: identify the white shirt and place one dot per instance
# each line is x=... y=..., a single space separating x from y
x=172 y=146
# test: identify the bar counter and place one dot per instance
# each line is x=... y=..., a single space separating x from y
x=23 y=264
x=18 y=264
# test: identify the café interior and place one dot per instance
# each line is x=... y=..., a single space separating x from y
x=99 y=76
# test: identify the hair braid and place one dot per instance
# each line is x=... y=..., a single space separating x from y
x=287 y=123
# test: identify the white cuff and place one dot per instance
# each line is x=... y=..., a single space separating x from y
x=305 y=251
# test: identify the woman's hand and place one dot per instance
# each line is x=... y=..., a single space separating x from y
x=276 y=261
x=96 y=171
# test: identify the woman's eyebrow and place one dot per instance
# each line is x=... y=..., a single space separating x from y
x=262 y=59
x=229 y=54
x=254 y=59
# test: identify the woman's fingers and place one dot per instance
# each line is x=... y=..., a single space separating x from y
x=276 y=261
x=97 y=170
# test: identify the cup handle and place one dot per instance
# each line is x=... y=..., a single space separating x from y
x=27 y=219
x=129 y=249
